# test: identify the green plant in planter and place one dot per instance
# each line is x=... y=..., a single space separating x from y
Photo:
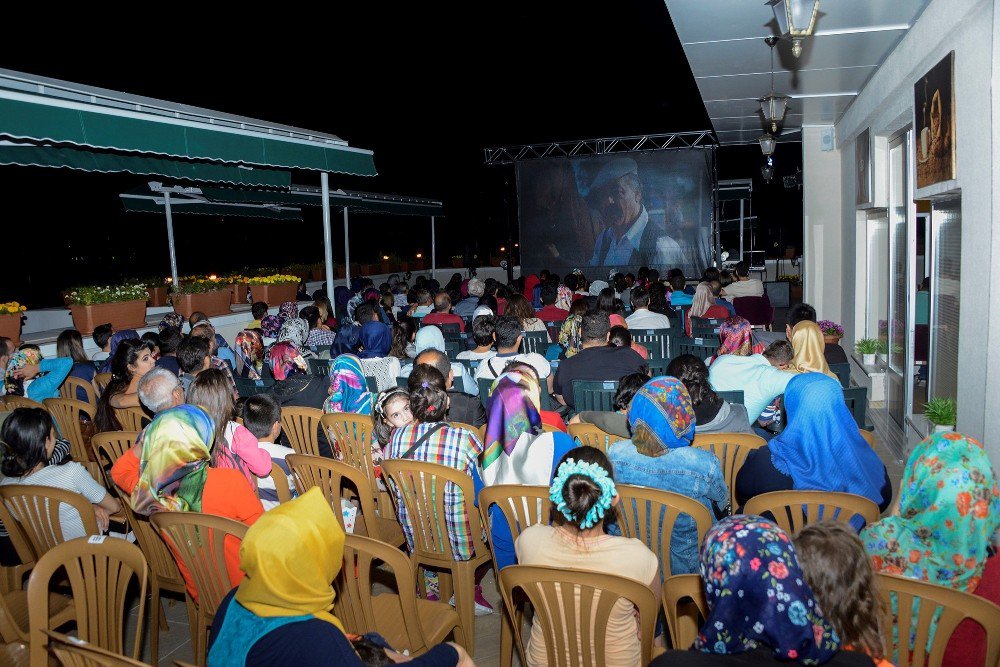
x=791 y=279
x=202 y=285
x=94 y=294
x=941 y=411
x=882 y=347
x=866 y=346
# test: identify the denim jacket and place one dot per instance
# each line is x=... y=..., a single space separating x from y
x=694 y=473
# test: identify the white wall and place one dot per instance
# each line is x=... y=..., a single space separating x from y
x=822 y=225
x=885 y=104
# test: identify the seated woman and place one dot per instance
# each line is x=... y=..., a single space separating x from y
x=619 y=336
x=69 y=345
x=840 y=574
x=516 y=450
x=761 y=610
x=820 y=449
x=294 y=385
x=569 y=332
x=28 y=443
x=233 y=445
x=294 y=330
x=29 y=375
x=521 y=308
x=319 y=332
x=703 y=305
x=549 y=417
x=250 y=352
x=347 y=390
x=176 y=475
x=403 y=333
x=809 y=345
x=376 y=342
x=615 y=423
x=712 y=414
x=282 y=613
x=116 y=340
x=270 y=325
x=583 y=493
x=659 y=455
x=943 y=530
x=736 y=337
x=132 y=359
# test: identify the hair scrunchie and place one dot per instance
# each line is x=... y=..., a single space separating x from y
x=595 y=473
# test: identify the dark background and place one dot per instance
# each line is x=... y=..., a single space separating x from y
x=426 y=88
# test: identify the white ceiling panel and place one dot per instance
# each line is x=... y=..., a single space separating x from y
x=723 y=41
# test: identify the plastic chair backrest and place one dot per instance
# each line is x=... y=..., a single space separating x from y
x=731 y=449
x=684 y=622
x=73 y=652
x=424 y=489
x=301 y=426
x=869 y=436
x=857 y=402
x=843 y=373
x=247 y=387
x=355 y=603
x=703 y=348
x=72 y=386
x=573 y=638
x=31 y=516
x=534 y=341
x=330 y=476
x=280 y=479
x=594 y=395
x=757 y=310
x=132 y=419
x=449 y=328
x=592 y=436
x=732 y=396
x=161 y=561
x=66 y=414
x=704 y=328
x=794 y=510
x=485 y=384
x=352 y=434
x=102 y=380
x=649 y=515
x=99 y=573
x=15 y=402
x=319 y=367
x=522 y=506
x=452 y=348
x=917 y=604
x=110 y=446
x=198 y=541
x=656 y=340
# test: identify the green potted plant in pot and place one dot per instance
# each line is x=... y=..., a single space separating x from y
x=941 y=412
x=211 y=295
x=456 y=261
x=867 y=347
x=274 y=289
x=882 y=349
x=11 y=318
x=157 y=289
x=124 y=306
x=794 y=285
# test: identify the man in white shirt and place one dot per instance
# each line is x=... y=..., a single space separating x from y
x=508 y=337
x=759 y=376
x=642 y=317
x=744 y=285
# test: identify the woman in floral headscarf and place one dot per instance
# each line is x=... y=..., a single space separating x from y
x=171 y=321
x=348 y=391
x=761 y=611
x=250 y=351
x=294 y=385
x=295 y=331
x=736 y=337
x=288 y=310
x=270 y=325
x=942 y=533
x=659 y=455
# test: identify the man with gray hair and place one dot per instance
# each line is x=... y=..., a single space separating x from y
x=467 y=306
x=159 y=390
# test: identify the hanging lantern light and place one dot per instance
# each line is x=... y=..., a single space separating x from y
x=796 y=20
x=773 y=105
x=767 y=143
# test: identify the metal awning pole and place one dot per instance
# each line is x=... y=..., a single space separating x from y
x=324 y=182
x=347 y=250
x=170 y=239
x=433 y=250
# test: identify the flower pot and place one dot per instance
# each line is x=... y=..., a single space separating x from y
x=317 y=274
x=456 y=262
x=10 y=327
x=868 y=359
x=385 y=267
x=338 y=271
x=943 y=428
x=418 y=265
x=795 y=292
x=239 y=293
x=211 y=303
x=831 y=340
x=404 y=266
x=121 y=315
x=157 y=297
x=274 y=295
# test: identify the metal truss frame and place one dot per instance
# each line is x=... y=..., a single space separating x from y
x=647 y=142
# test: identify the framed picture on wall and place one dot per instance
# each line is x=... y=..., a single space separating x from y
x=934 y=120
x=863 y=162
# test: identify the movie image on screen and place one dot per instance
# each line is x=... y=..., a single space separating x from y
x=617 y=212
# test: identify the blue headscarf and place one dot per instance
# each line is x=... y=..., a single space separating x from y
x=348 y=387
x=341 y=295
x=376 y=340
x=661 y=416
x=821 y=448
x=116 y=339
x=347 y=339
x=429 y=337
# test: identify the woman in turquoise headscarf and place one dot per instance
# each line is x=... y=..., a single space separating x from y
x=348 y=387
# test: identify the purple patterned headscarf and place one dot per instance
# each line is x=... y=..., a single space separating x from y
x=513 y=419
x=271 y=325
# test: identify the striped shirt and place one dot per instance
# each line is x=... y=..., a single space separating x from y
x=449 y=446
x=70 y=476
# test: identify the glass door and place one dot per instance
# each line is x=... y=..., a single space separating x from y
x=902 y=247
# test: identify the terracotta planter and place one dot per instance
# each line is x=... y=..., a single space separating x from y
x=795 y=292
x=418 y=265
x=121 y=315
x=239 y=293
x=211 y=303
x=157 y=297
x=404 y=266
x=274 y=295
x=386 y=267
x=317 y=274
x=456 y=263
x=831 y=340
x=338 y=271
x=10 y=327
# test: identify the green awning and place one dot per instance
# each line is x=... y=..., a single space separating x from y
x=144 y=200
x=367 y=202
x=31 y=155
x=48 y=111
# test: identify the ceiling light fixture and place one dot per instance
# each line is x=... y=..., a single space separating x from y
x=773 y=106
x=796 y=19
x=767 y=143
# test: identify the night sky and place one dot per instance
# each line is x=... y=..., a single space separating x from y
x=426 y=88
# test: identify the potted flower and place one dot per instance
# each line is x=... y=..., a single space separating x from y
x=317 y=271
x=157 y=289
x=274 y=289
x=418 y=263
x=867 y=347
x=456 y=261
x=832 y=332
x=298 y=270
x=942 y=413
x=794 y=285
x=210 y=295
x=124 y=306
x=882 y=349
x=11 y=317
x=237 y=287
